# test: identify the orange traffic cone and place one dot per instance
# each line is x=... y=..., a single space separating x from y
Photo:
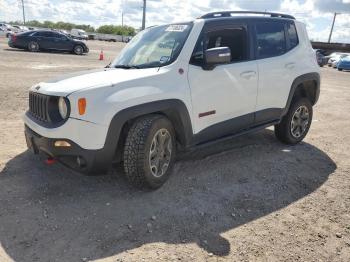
x=101 y=55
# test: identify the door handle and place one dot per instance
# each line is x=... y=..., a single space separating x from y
x=248 y=74
x=290 y=65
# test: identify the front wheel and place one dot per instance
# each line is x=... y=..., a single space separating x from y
x=78 y=50
x=149 y=151
x=340 y=69
x=296 y=123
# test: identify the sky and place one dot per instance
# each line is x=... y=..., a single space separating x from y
x=317 y=14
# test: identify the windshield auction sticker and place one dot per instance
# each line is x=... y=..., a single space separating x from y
x=176 y=28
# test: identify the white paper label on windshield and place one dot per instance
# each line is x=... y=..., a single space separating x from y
x=176 y=28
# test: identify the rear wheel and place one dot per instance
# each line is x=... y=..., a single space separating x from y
x=149 y=152
x=33 y=46
x=78 y=50
x=340 y=69
x=296 y=123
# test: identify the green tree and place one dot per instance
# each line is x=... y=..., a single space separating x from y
x=116 y=30
x=105 y=29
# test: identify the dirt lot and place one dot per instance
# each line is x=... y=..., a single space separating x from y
x=251 y=198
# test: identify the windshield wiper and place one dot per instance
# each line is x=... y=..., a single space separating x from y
x=127 y=66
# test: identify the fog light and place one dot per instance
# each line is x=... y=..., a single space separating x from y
x=60 y=143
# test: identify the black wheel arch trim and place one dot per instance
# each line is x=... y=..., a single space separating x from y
x=297 y=82
x=173 y=109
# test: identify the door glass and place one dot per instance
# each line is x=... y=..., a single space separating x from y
x=271 y=39
x=235 y=39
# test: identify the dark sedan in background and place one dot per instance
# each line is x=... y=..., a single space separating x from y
x=47 y=40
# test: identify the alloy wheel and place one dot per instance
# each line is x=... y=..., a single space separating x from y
x=160 y=152
x=300 y=122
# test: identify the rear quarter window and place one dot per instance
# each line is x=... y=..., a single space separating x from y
x=270 y=39
x=292 y=36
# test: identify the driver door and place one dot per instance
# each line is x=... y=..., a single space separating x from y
x=224 y=98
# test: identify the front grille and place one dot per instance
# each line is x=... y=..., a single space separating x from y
x=39 y=106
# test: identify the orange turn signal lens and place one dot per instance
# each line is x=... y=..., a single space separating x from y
x=82 y=106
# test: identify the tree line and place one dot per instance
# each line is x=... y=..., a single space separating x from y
x=105 y=29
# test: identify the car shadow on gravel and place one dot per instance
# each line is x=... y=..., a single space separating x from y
x=49 y=213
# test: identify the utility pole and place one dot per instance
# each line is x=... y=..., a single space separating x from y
x=144 y=15
x=330 y=34
x=122 y=18
x=24 y=17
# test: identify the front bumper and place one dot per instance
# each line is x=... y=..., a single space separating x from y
x=82 y=160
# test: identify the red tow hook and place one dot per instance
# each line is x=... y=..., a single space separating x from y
x=50 y=161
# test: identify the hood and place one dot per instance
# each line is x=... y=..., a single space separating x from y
x=78 y=41
x=67 y=84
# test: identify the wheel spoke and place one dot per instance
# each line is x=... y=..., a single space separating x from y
x=160 y=152
x=300 y=121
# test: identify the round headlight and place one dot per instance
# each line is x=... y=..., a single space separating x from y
x=62 y=107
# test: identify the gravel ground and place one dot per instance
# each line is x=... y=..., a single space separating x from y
x=251 y=198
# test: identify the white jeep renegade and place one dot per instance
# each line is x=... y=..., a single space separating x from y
x=177 y=86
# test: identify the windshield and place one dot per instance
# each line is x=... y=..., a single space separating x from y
x=154 y=47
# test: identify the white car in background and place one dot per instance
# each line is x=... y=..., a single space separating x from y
x=20 y=28
x=6 y=30
x=79 y=34
x=335 y=58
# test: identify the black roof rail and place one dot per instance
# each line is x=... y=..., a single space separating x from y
x=229 y=14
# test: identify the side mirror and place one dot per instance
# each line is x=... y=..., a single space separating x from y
x=217 y=56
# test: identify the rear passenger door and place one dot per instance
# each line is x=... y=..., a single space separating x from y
x=45 y=39
x=276 y=47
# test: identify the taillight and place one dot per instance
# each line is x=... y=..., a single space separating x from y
x=13 y=38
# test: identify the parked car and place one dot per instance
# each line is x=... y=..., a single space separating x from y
x=344 y=63
x=334 y=59
x=20 y=28
x=321 y=58
x=209 y=85
x=6 y=30
x=47 y=40
x=79 y=34
x=63 y=32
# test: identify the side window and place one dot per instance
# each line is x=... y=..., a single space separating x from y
x=198 y=53
x=235 y=39
x=56 y=35
x=292 y=36
x=271 y=40
x=38 y=34
x=47 y=34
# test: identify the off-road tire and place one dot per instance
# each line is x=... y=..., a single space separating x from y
x=283 y=129
x=137 y=151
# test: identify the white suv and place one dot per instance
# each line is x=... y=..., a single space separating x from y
x=177 y=86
